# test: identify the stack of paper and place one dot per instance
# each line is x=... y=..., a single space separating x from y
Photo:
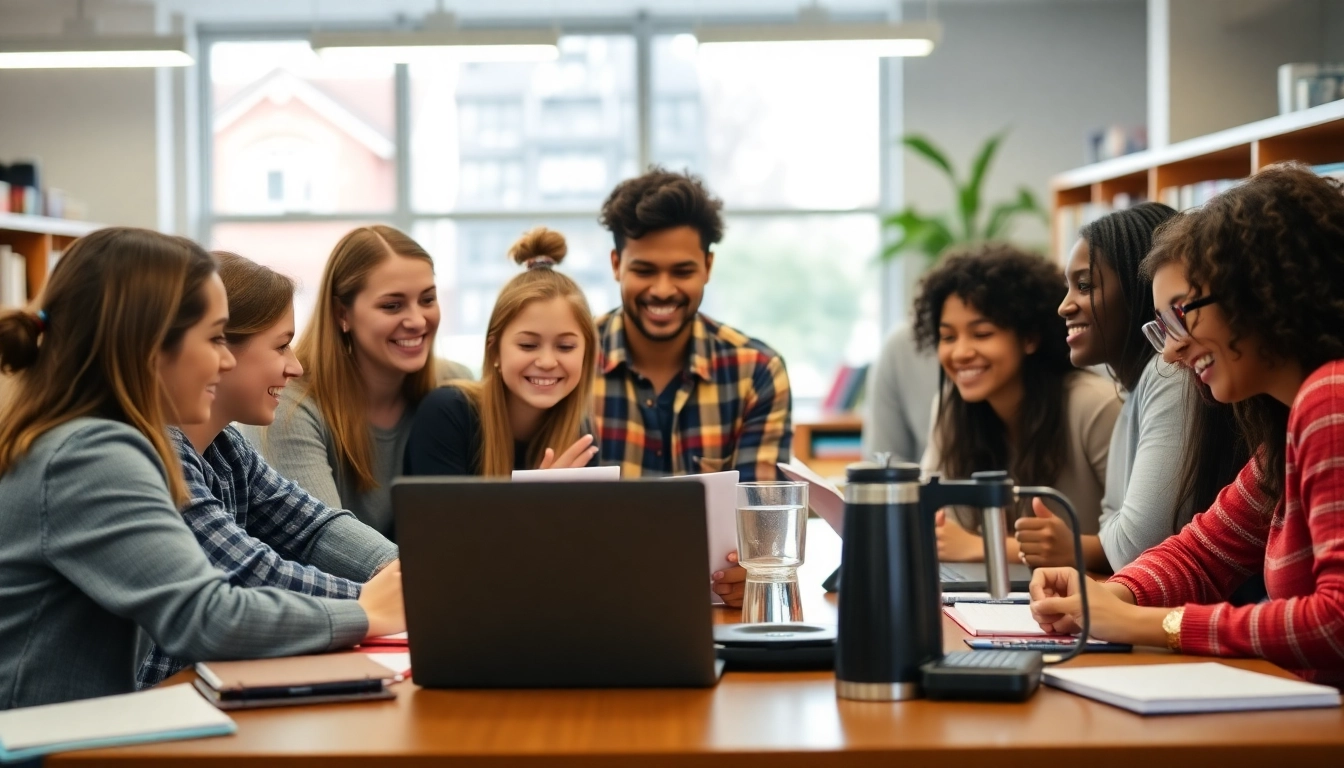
x=1160 y=689
x=159 y=714
x=995 y=619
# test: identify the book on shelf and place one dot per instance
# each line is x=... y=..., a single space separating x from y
x=13 y=278
x=846 y=393
x=1333 y=170
x=1307 y=85
x=1194 y=195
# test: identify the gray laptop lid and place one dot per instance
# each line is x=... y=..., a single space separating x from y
x=567 y=585
x=972 y=577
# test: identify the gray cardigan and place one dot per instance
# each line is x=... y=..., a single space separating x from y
x=92 y=549
x=901 y=385
x=1144 y=470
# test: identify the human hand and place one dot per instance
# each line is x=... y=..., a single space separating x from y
x=1057 y=606
x=381 y=600
x=956 y=544
x=731 y=583
x=1044 y=540
x=576 y=455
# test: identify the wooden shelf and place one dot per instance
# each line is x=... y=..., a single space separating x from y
x=830 y=465
x=36 y=238
x=1314 y=136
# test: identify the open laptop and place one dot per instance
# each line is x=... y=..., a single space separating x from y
x=555 y=585
x=971 y=577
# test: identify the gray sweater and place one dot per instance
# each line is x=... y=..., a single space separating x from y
x=1144 y=469
x=299 y=446
x=901 y=386
x=92 y=549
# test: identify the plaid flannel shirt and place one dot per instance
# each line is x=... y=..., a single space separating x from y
x=732 y=408
x=251 y=522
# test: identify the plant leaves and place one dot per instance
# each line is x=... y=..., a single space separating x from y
x=928 y=235
x=1002 y=215
x=925 y=148
x=970 y=195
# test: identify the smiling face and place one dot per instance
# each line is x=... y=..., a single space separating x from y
x=541 y=355
x=393 y=319
x=250 y=393
x=662 y=276
x=983 y=360
x=191 y=372
x=1094 y=310
x=1231 y=375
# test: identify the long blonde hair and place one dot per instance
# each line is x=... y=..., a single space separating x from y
x=331 y=375
x=118 y=299
x=540 y=249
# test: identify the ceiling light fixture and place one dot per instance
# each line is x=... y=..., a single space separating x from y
x=815 y=33
x=440 y=38
x=80 y=46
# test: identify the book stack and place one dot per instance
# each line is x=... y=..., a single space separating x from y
x=1306 y=85
x=1071 y=218
x=847 y=390
x=13 y=278
x=293 y=681
x=1197 y=194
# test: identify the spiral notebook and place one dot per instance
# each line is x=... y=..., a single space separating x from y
x=159 y=714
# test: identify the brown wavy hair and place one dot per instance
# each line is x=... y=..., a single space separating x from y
x=117 y=300
x=331 y=375
x=1272 y=250
x=562 y=424
x=258 y=296
x=1019 y=292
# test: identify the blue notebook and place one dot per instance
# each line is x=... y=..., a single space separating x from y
x=159 y=714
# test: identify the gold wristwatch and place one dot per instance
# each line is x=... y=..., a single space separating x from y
x=1171 y=624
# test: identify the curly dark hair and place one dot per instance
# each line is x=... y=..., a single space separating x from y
x=1272 y=250
x=658 y=200
x=1019 y=292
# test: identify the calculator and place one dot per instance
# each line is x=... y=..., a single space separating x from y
x=1000 y=675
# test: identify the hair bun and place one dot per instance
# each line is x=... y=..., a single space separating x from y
x=540 y=246
x=19 y=332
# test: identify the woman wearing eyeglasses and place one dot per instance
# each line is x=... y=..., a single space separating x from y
x=1251 y=296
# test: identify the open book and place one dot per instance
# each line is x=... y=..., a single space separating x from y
x=995 y=619
x=1160 y=689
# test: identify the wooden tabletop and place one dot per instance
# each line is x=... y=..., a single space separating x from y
x=779 y=720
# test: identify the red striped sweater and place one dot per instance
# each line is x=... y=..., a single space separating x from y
x=1301 y=548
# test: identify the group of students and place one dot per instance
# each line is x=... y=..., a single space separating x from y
x=180 y=482
x=1208 y=468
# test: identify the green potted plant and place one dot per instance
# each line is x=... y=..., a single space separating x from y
x=930 y=234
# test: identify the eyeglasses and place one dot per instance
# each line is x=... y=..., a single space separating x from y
x=1170 y=322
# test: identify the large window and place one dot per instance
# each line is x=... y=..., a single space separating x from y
x=302 y=151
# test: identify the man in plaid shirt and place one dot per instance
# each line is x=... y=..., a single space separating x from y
x=679 y=393
x=262 y=530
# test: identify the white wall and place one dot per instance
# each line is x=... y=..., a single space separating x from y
x=1225 y=56
x=93 y=131
x=1051 y=70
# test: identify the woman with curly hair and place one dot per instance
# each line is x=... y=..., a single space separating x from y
x=1251 y=296
x=1015 y=401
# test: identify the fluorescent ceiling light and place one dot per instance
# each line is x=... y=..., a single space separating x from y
x=440 y=39
x=93 y=51
x=814 y=34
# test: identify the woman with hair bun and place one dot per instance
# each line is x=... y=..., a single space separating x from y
x=530 y=408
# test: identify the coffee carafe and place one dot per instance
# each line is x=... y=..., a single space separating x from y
x=890 y=616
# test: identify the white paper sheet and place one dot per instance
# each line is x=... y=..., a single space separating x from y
x=822 y=497
x=720 y=514
x=1153 y=689
x=566 y=475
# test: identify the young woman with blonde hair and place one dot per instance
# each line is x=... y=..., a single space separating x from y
x=127 y=339
x=341 y=429
x=531 y=406
x=261 y=529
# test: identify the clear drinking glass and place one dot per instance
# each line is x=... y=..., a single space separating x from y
x=771 y=534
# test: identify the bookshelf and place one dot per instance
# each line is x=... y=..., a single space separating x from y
x=830 y=444
x=1314 y=136
x=36 y=239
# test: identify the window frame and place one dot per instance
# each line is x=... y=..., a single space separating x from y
x=896 y=279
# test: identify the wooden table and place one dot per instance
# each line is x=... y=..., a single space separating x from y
x=780 y=720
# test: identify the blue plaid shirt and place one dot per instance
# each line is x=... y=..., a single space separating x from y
x=253 y=525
